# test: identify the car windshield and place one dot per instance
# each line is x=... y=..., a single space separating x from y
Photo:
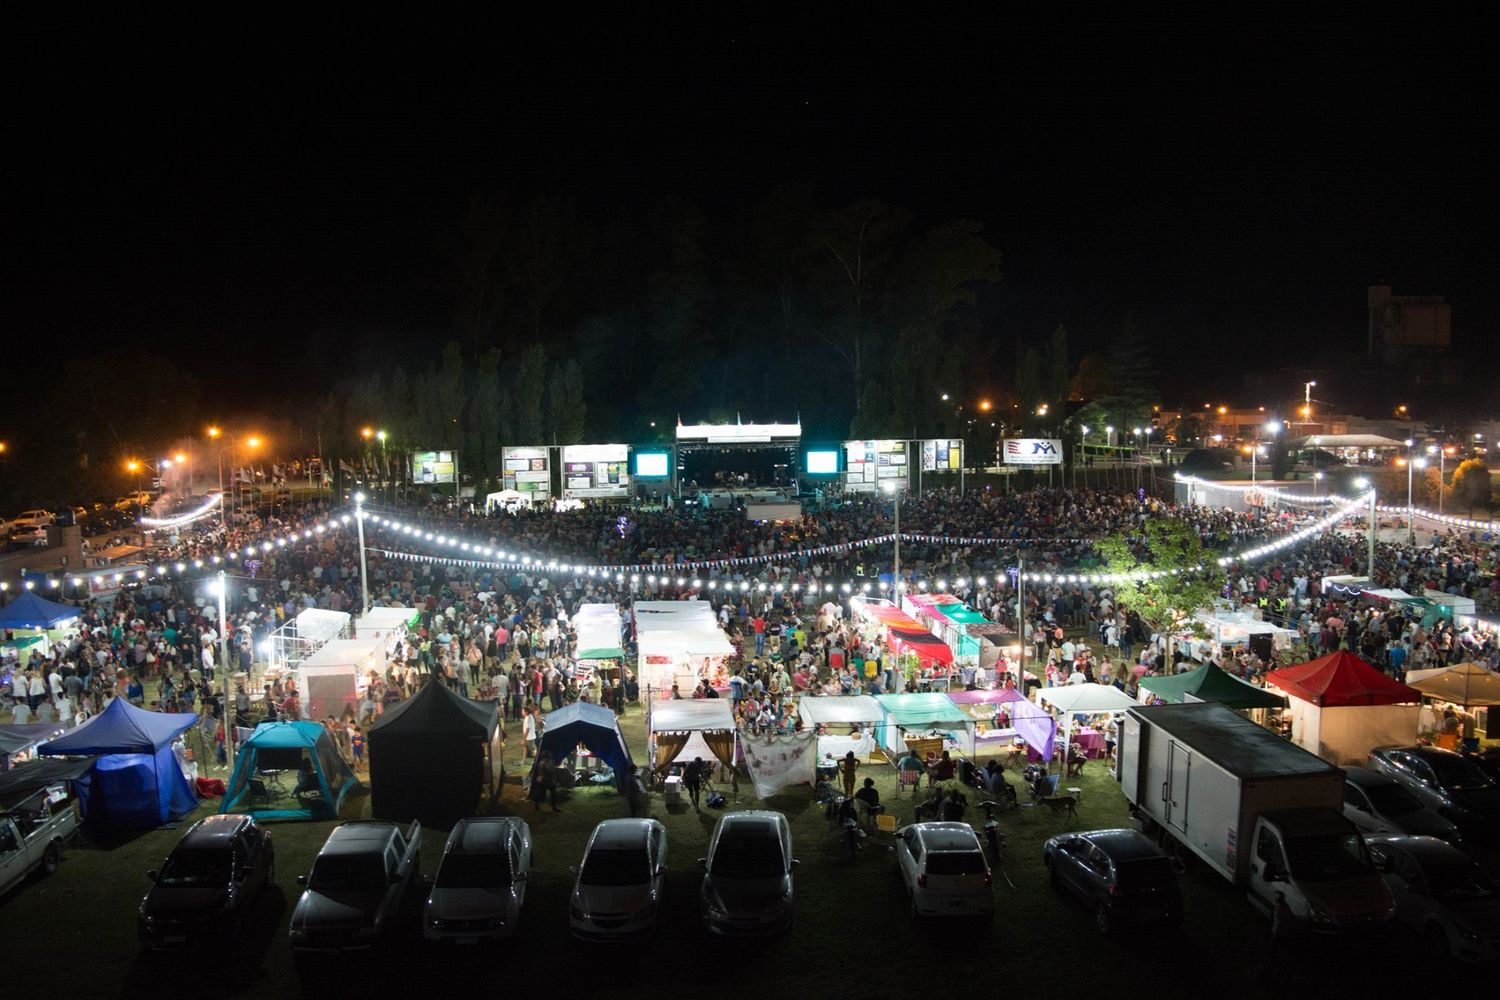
x=748 y=857
x=1457 y=774
x=1392 y=800
x=1458 y=880
x=473 y=871
x=1327 y=857
x=196 y=868
x=955 y=863
x=615 y=866
x=1148 y=873
x=347 y=873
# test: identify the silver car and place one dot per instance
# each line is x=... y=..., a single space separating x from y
x=480 y=883
x=747 y=881
x=1442 y=895
x=1378 y=803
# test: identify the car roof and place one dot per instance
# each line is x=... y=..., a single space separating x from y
x=480 y=835
x=214 y=831
x=1123 y=844
x=1366 y=778
x=1420 y=751
x=947 y=836
x=1423 y=850
x=358 y=838
x=621 y=833
x=752 y=822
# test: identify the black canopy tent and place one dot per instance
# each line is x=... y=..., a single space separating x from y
x=432 y=755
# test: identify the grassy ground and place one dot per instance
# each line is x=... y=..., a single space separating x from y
x=75 y=931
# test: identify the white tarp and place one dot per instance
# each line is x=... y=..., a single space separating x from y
x=688 y=715
x=775 y=762
x=1085 y=698
x=836 y=710
x=598 y=628
x=318 y=625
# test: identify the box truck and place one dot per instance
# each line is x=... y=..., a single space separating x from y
x=1263 y=813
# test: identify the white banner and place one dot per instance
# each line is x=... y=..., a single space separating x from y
x=775 y=762
x=1033 y=451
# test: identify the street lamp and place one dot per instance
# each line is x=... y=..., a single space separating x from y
x=1360 y=484
x=890 y=487
x=1411 y=526
x=364 y=577
x=220 y=588
x=1442 y=452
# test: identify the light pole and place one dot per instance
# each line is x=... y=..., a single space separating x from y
x=1411 y=529
x=364 y=577
x=1273 y=427
x=221 y=588
x=1442 y=453
x=896 y=583
x=1361 y=484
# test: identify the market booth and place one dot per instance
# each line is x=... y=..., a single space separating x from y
x=950 y=620
x=1022 y=720
x=1467 y=685
x=1342 y=708
x=288 y=770
x=906 y=637
x=593 y=727
x=34 y=624
x=136 y=783
x=17 y=743
x=918 y=718
x=598 y=628
x=1209 y=683
x=386 y=624
x=337 y=674
x=679 y=642
x=432 y=756
x=854 y=711
x=681 y=729
x=1076 y=702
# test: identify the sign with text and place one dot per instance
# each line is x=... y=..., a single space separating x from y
x=528 y=470
x=943 y=455
x=430 y=467
x=1033 y=451
x=596 y=470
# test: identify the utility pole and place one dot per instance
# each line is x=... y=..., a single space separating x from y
x=227 y=699
x=364 y=577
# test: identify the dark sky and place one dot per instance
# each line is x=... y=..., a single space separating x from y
x=279 y=188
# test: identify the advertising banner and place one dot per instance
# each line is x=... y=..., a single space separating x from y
x=943 y=455
x=596 y=470
x=528 y=470
x=431 y=467
x=1033 y=451
x=774 y=762
x=868 y=463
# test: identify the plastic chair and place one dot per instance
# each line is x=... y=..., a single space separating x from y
x=908 y=777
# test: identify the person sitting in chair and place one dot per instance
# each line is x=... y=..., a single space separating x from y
x=953 y=807
x=870 y=796
x=944 y=769
x=932 y=807
x=307 y=778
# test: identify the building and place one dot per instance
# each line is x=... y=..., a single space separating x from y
x=1404 y=327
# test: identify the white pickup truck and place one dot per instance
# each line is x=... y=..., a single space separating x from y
x=32 y=835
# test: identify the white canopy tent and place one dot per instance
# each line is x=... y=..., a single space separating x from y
x=678 y=642
x=598 y=628
x=337 y=674
x=853 y=710
x=692 y=716
x=1082 y=699
x=508 y=500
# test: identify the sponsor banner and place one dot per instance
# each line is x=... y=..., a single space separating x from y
x=1033 y=451
x=775 y=762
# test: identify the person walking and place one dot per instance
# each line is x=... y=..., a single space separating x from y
x=635 y=790
x=847 y=767
x=693 y=781
x=544 y=782
x=528 y=730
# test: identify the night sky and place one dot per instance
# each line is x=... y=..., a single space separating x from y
x=1230 y=183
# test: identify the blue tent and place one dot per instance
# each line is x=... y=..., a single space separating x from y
x=592 y=725
x=137 y=783
x=30 y=611
x=301 y=748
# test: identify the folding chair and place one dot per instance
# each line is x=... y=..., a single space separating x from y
x=908 y=777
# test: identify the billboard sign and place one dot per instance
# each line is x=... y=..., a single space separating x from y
x=596 y=470
x=870 y=463
x=528 y=470
x=653 y=465
x=431 y=467
x=943 y=455
x=1033 y=451
x=821 y=462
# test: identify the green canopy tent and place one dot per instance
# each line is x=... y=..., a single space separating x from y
x=1209 y=683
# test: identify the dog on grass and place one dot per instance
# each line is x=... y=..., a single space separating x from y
x=1062 y=803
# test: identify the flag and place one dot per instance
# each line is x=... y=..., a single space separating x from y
x=346 y=467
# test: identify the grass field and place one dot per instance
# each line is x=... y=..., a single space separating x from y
x=852 y=935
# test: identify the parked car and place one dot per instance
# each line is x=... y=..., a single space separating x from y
x=1447 y=783
x=207 y=883
x=5 y=528
x=28 y=520
x=480 y=883
x=32 y=835
x=747 y=881
x=357 y=884
x=1121 y=874
x=944 y=870
x=1442 y=894
x=1378 y=803
x=619 y=884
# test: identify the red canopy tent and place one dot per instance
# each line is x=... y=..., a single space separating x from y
x=1342 y=678
x=926 y=645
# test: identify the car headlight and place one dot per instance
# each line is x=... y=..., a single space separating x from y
x=298 y=934
x=437 y=923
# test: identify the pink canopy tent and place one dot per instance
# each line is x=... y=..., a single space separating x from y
x=1031 y=722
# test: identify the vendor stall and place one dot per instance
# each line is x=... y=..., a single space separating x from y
x=1209 y=683
x=835 y=718
x=599 y=648
x=1342 y=708
x=1003 y=715
x=1077 y=703
x=923 y=654
x=681 y=730
x=389 y=625
x=924 y=715
x=337 y=674
x=681 y=643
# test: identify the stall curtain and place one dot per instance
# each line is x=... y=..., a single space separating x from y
x=721 y=742
x=668 y=746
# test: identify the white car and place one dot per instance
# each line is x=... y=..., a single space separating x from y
x=31 y=519
x=481 y=881
x=944 y=870
x=620 y=881
x=747 y=881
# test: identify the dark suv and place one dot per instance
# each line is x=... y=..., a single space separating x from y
x=1449 y=784
x=1120 y=873
x=207 y=883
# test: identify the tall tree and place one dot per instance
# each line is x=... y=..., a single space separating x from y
x=526 y=396
x=856 y=244
x=1166 y=603
x=486 y=418
x=566 y=406
x=1132 y=381
x=1471 y=484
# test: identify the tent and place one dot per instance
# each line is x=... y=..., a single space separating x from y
x=687 y=728
x=19 y=739
x=432 y=755
x=337 y=674
x=1342 y=708
x=1209 y=683
x=677 y=642
x=388 y=625
x=598 y=628
x=923 y=711
x=834 y=710
x=1083 y=699
x=1466 y=684
x=302 y=748
x=594 y=726
x=30 y=611
x=136 y=782
x=506 y=499
x=21 y=781
x=1029 y=721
